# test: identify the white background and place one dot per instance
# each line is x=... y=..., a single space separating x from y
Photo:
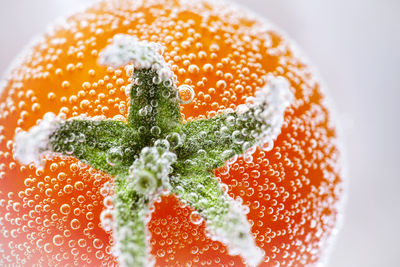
x=356 y=46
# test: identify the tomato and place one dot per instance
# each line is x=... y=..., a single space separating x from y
x=51 y=216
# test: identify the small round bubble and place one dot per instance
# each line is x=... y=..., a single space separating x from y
x=185 y=94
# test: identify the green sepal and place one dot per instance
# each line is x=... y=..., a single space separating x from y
x=200 y=190
x=225 y=218
x=154 y=107
x=209 y=143
x=131 y=209
x=106 y=145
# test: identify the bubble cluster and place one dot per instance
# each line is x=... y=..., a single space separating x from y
x=107 y=217
x=235 y=234
x=29 y=146
x=51 y=216
x=127 y=49
x=150 y=172
x=269 y=105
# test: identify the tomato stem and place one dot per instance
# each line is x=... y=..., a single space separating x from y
x=156 y=152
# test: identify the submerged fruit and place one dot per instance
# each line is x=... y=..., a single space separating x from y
x=220 y=56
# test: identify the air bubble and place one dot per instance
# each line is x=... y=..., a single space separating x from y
x=185 y=94
x=155 y=131
x=196 y=218
x=114 y=155
x=65 y=209
x=75 y=224
x=97 y=243
x=58 y=240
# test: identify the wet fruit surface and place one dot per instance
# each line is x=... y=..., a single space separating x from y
x=51 y=216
